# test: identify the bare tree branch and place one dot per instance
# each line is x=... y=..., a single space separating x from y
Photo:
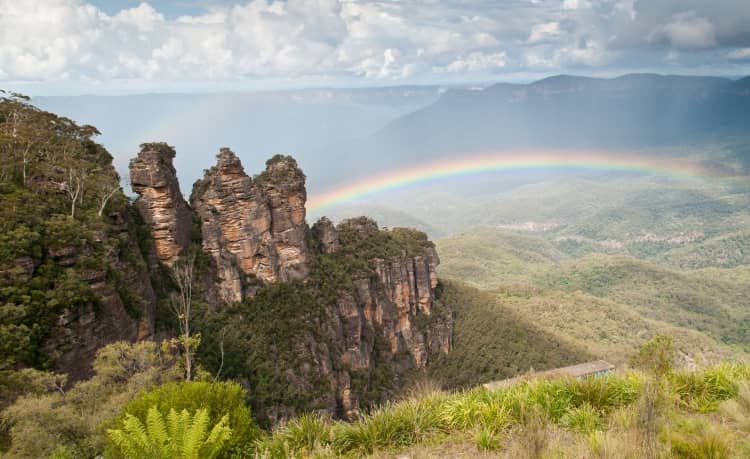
x=181 y=302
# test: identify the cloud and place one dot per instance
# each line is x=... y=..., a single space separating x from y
x=476 y=62
x=72 y=42
x=688 y=31
x=575 y=4
x=739 y=54
x=542 y=32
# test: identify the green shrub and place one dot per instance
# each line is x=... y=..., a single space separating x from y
x=584 y=419
x=656 y=355
x=299 y=437
x=704 y=391
x=181 y=436
x=488 y=439
x=607 y=392
x=218 y=399
x=696 y=439
x=74 y=419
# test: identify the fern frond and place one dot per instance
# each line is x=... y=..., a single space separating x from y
x=156 y=428
x=219 y=435
x=132 y=439
x=195 y=434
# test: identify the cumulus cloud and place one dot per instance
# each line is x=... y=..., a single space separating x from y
x=476 y=61
x=739 y=54
x=542 y=32
x=351 y=40
x=689 y=31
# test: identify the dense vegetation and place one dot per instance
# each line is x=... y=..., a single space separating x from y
x=55 y=186
x=492 y=341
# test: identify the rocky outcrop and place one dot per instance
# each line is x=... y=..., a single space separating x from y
x=377 y=311
x=160 y=200
x=283 y=185
x=123 y=299
x=253 y=228
x=395 y=304
x=324 y=232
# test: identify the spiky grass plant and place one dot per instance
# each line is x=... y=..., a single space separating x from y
x=583 y=419
x=704 y=391
x=488 y=439
x=622 y=415
x=698 y=439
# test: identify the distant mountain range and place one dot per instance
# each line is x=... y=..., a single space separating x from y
x=341 y=134
x=630 y=111
x=256 y=125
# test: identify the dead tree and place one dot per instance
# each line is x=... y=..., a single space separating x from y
x=182 y=302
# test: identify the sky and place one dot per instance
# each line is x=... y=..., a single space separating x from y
x=65 y=47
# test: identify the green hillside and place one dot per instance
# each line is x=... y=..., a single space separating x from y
x=603 y=305
x=491 y=257
x=494 y=341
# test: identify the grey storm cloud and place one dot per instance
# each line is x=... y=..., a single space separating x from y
x=687 y=24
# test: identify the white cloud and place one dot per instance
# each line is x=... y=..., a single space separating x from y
x=575 y=4
x=476 y=62
x=739 y=54
x=54 y=41
x=143 y=17
x=689 y=31
x=542 y=32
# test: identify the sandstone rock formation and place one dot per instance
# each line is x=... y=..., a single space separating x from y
x=160 y=200
x=324 y=232
x=252 y=227
x=374 y=291
x=396 y=305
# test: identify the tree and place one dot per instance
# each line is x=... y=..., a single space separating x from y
x=182 y=306
x=182 y=436
x=107 y=188
x=73 y=187
x=656 y=355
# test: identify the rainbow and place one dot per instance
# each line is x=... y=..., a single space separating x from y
x=506 y=161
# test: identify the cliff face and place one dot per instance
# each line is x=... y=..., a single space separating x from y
x=160 y=200
x=123 y=309
x=389 y=323
x=335 y=315
x=252 y=227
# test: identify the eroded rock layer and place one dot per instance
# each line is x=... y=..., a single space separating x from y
x=357 y=306
x=253 y=228
x=394 y=304
x=160 y=200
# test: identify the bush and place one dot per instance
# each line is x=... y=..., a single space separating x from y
x=181 y=436
x=584 y=419
x=656 y=355
x=695 y=439
x=488 y=439
x=218 y=399
x=74 y=420
x=706 y=390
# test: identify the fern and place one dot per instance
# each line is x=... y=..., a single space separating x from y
x=156 y=429
x=181 y=436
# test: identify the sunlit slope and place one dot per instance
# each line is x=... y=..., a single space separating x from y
x=600 y=305
x=707 y=303
x=489 y=258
